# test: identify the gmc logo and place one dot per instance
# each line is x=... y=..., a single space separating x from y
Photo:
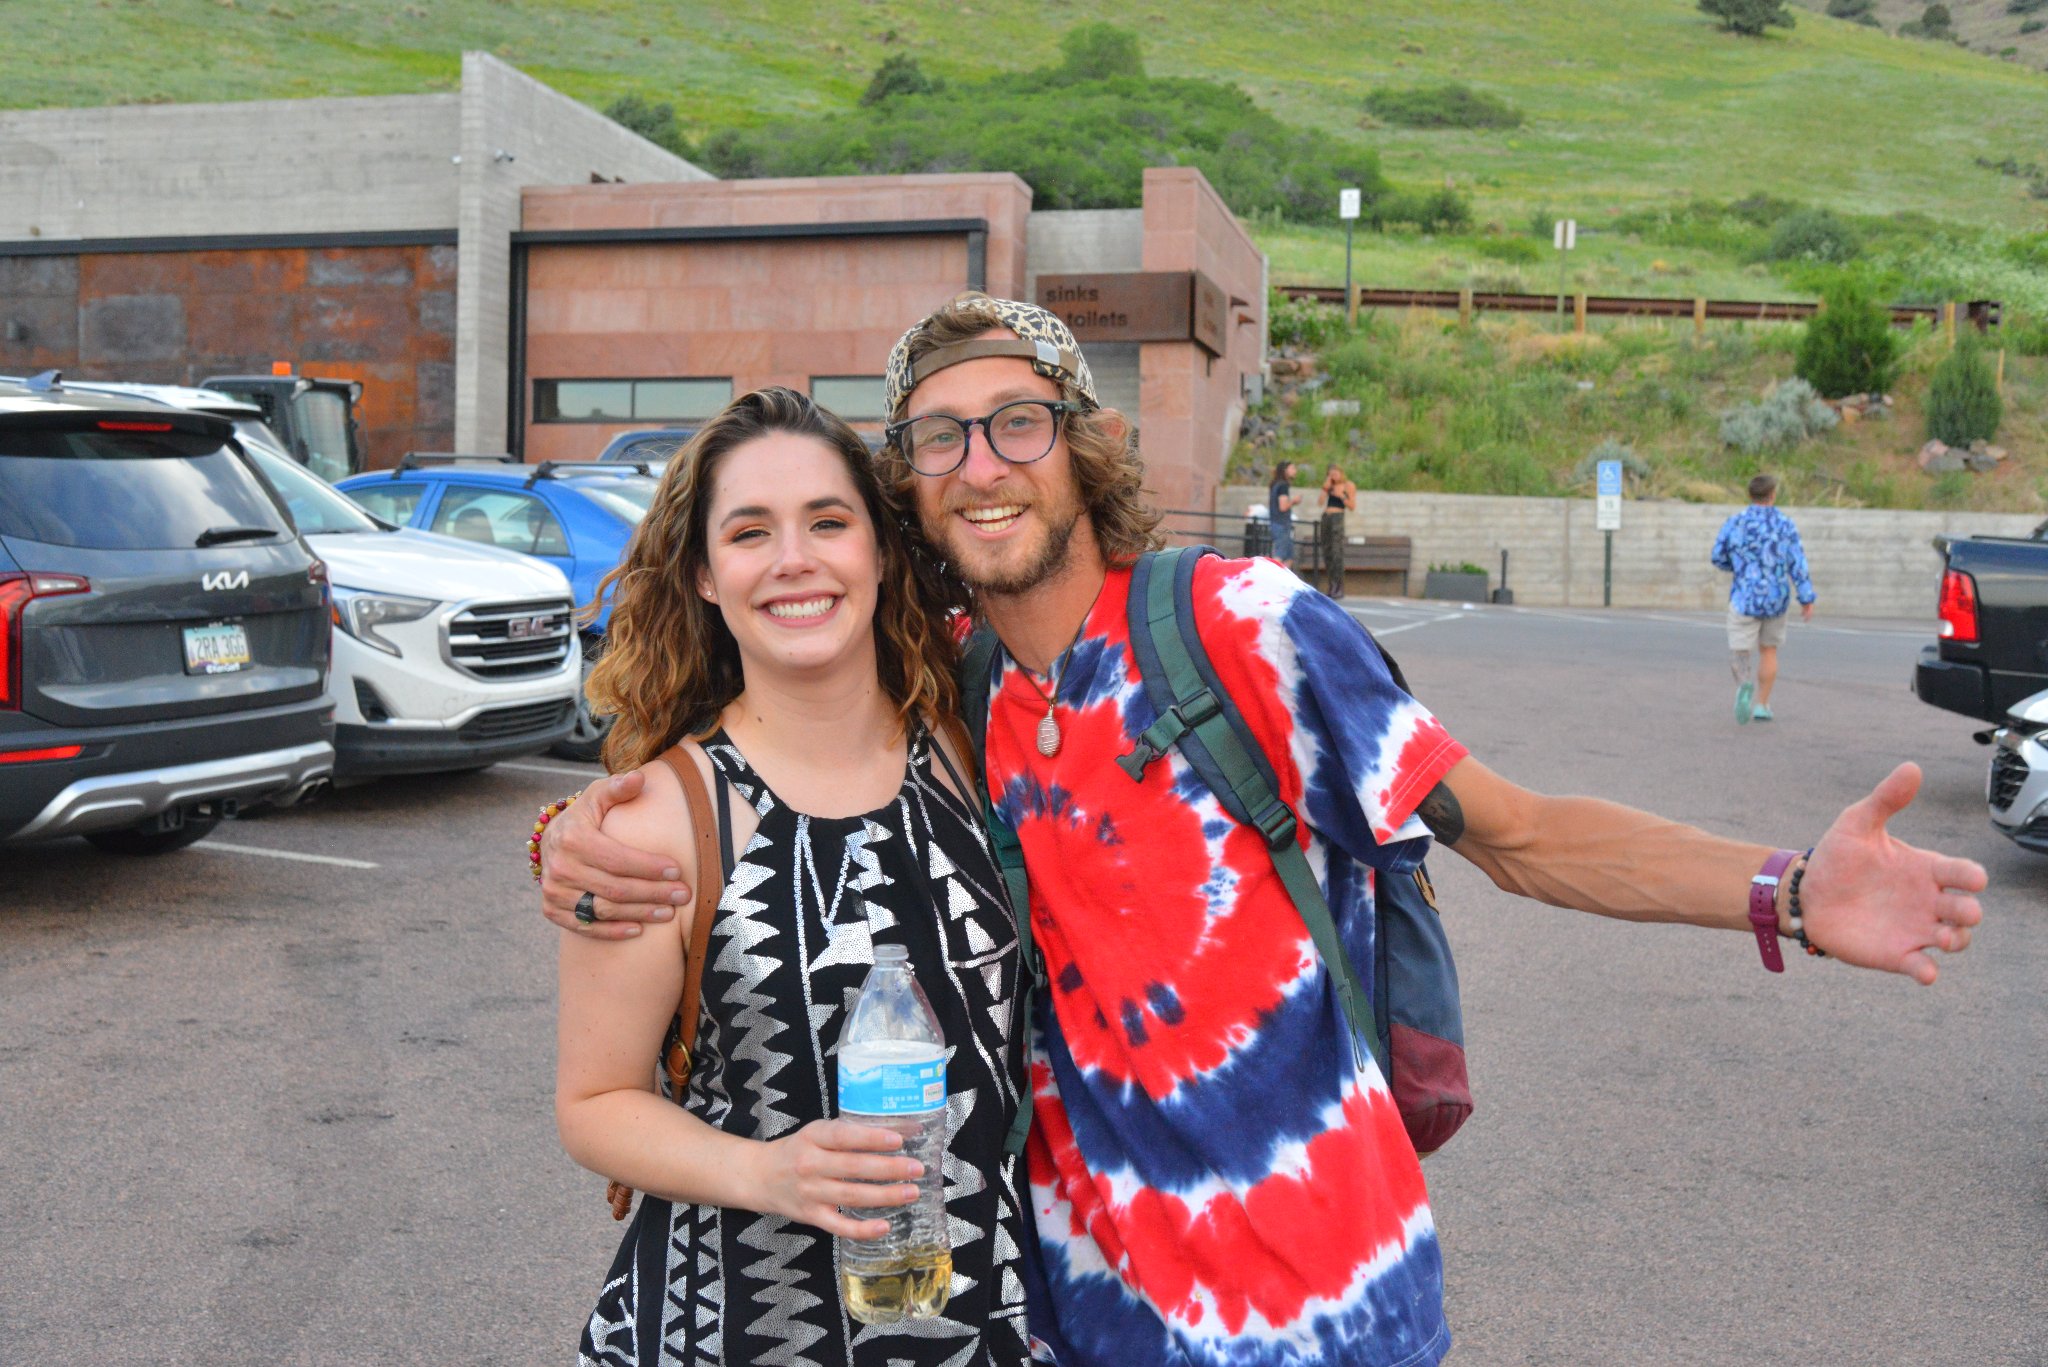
x=525 y=628
x=224 y=579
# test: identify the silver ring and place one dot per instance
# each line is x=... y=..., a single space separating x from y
x=586 y=909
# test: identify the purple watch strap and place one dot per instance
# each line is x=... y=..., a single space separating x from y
x=1763 y=907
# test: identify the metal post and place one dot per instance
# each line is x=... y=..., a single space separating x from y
x=1561 y=259
x=1607 y=573
x=1351 y=303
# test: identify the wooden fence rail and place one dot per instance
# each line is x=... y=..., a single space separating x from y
x=1983 y=314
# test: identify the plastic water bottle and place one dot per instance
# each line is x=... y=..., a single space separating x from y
x=892 y=1074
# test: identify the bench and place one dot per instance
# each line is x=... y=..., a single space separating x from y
x=1379 y=555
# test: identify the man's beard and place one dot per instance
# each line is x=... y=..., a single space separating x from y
x=1050 y=560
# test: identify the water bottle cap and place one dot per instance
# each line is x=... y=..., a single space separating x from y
x=887 y=954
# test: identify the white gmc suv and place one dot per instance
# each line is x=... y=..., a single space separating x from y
x=448 y=655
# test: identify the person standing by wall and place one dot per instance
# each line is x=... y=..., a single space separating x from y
x=1280 y=512
x=1340 y=496
x=1760 y=546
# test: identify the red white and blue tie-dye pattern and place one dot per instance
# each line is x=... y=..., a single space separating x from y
x=1215 y=1177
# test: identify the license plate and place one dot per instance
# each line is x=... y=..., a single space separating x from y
x=221 y=648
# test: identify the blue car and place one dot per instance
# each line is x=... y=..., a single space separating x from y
x=575 y=515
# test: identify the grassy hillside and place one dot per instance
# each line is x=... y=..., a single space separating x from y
x=1628 y=101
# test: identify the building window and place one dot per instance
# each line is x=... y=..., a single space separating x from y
x=630 y=400
x=856 y=398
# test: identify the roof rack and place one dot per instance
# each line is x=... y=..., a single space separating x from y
x=414 y=460
x=551 y=469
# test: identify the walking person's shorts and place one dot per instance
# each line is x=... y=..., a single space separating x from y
x=1748 y=633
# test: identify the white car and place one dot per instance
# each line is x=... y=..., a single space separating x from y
x=2019 y=774
x=448 y=655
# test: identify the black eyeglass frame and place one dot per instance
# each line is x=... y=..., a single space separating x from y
x=896 y=432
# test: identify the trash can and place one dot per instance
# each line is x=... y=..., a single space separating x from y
x=1258 y=532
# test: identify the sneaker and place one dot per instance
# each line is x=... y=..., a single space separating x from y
x=1760 y=713
x=1743 y=711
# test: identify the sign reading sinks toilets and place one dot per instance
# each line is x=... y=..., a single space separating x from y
x=1140 y=306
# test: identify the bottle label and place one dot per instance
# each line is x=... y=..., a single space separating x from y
x=891 y=1087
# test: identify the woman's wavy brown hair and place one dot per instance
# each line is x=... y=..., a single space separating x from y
x=1102 y=442
x=670 y=666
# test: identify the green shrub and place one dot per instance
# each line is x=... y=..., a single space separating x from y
x=2025 y=335
x=899 y=75
x=1748 y=17
x=1080 y=138
x=1302 y=322
x=1962 y=399
x=2025 y=7
x=1441 y=106
x=1856 y=11
x=1633 y=466
x=1357 y=358
x=1849 y=347
x=1813 y=235
x=1436 y=211
x=654 y=122
x=2034 y=25
x=1099 y=52
x=1791 y=414
x=1518 y=251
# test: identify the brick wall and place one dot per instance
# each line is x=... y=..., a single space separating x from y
x=382 y=315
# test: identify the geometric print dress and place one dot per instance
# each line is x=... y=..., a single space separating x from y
x=802 y=909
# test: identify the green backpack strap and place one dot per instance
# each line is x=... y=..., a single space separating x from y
x=975 y=668
x=1197 y=717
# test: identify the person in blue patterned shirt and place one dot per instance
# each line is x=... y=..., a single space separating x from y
x=1760 y=546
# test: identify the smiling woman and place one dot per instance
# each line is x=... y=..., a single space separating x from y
x=779 y=630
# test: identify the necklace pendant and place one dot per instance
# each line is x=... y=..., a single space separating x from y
x=1048 y=736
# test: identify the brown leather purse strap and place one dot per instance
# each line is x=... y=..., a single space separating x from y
x=710 y=883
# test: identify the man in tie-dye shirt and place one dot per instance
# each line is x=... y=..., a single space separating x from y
x=1215 y=1177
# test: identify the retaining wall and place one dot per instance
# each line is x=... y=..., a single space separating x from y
x=1865 y=563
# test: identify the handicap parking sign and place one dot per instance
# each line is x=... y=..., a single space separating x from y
x=1609 y=478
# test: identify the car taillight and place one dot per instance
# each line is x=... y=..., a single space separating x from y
x=1958 y=611
x=15 y=592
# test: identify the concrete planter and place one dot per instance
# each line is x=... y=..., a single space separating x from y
x=1457 y=588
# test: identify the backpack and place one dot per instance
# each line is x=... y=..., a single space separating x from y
x=1411 y=1020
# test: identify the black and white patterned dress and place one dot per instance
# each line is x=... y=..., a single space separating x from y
x=803 y=907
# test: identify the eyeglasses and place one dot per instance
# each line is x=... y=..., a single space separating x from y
x=1020 y=433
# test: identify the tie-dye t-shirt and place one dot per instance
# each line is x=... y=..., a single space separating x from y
x=1215 y=1177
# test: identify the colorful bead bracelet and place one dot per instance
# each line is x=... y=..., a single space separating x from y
x=540 y=825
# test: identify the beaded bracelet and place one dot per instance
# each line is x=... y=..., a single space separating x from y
x=540 y=824
x=1797 y=916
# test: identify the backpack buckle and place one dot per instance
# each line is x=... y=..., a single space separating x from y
x=1277 y=824
x=1164 y=734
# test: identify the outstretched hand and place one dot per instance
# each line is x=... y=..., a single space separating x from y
x=577 y=857
x=1875 y=901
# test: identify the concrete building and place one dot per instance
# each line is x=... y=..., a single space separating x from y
x=505 y=269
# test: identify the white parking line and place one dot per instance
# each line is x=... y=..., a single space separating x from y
x=285 y=854
x=1426 y=622
x=590 y=771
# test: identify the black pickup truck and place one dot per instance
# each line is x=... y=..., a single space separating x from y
x=1992 y=649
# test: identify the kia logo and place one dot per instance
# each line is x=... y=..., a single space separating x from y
x=224 y=579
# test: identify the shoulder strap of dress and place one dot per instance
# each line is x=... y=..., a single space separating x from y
x=710 y=868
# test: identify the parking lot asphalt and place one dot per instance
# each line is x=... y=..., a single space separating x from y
x=286 y=1096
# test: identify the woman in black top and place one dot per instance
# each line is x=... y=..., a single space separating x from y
x=1280 y=512
x=772 y=615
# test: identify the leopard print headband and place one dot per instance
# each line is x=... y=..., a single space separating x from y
x=1042 y=339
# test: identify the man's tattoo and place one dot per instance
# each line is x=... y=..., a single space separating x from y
x=1442 y=814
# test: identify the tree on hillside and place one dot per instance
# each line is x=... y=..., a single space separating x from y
x=1849 y=347
x=1099 y=52
x=654 y=122
x=898 y=75
x=1749 y=17
x=1855 y=11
